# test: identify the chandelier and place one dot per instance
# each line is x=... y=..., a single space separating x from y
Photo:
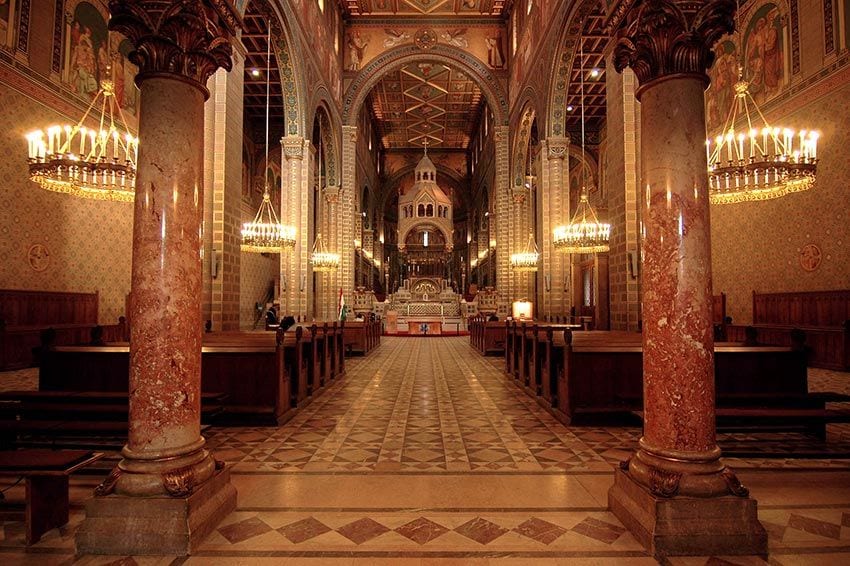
x=526 y=260
x=585 y=234
x=758 y=163
x=266 y=234
x=321 y=259
x=95 y=163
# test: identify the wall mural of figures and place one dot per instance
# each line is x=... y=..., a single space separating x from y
x=764 y=64
x=721 y=94
x=91 y=52
x=763 y=61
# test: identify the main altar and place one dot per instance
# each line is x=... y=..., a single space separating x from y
x=425 y=306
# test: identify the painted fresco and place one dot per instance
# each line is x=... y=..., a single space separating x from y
x=764 y=64
x=92 y=52
x=365 y=42
x=721 y=94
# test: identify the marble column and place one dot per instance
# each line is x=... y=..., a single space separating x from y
x=295 y=211
x=167 y=493
x=675 y=494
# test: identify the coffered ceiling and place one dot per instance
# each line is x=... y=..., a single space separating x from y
x=426 y=7
x=254 y=37
x=426 y=101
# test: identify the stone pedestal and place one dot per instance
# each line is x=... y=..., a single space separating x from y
x=687 y=525
x=125 y=525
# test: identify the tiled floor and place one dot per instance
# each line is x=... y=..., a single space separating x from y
x=425 y=452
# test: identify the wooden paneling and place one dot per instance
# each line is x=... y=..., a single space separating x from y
x=46 y=308
x=816 y=308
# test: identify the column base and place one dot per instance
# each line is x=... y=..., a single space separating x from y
x=126 y=525
x=687 y=526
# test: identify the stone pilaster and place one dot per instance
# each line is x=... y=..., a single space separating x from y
x=503 y=216
x=675 y=494
x=346 y=211
x=295 y=211
x=622 y=180
x=555 y=211
x=166 y=479
x=223 y=185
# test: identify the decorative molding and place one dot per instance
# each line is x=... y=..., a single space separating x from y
x=58 y=25
x=828 y=28
x=558 y=147
x=795 y=36
x=189 y=40
x=660 y=38
x=24 y=26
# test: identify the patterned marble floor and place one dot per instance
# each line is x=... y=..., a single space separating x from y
x=425 y=452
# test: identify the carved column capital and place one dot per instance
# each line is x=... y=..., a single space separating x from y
x=293 y=147
x=332 y=194
x=349 y=133
x=659 y=39
x=558 y=147
x=184 y=39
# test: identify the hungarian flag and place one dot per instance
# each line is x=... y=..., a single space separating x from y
x=342 y=310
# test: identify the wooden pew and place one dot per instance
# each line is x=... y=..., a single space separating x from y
x=255 y=378
x=46 y=473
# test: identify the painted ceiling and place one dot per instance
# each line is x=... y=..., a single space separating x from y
x=454 y=8
x=426 y=103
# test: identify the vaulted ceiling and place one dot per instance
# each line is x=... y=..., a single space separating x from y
x=426 y=101
x=426 y=7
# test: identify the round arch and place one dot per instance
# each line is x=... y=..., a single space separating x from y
x=372 y=73
x=573 y=14
x=520 y=154
x=287 y=56
x=330 y=138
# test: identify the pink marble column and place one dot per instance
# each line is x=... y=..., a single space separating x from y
x=167 y=492
x=675 y=493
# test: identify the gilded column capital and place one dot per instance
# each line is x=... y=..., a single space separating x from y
x=349 y=133
x=184 y=39
x=660 y=39
x=293 y=147
x=557 y=147
x=332 y=194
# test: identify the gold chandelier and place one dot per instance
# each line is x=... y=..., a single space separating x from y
x=95 y=163
x=757 y=163
x=526 y=260
x=585 y=234
x=321 y=259
x=266 y=234
x=760 y=163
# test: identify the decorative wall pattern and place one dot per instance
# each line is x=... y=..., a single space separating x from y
x=88 y=242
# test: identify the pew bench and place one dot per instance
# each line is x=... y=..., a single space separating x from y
x=46 y=473
x=811 y=420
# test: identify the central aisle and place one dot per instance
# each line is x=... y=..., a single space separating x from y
x=423 y=449
x=424 y=405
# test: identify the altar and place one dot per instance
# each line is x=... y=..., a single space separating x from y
x=424 y=327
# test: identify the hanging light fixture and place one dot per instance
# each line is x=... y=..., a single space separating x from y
x=321 y=259
x=762 y=162
x=585 y=234
x=526 y=260
x=95 y=163
x=266 y=234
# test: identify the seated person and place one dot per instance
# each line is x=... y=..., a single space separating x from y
x=97 y=336
x=287 y=322
x=271 y=316
x=493 y=318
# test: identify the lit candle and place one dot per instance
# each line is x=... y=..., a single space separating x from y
x=708 y=151
x=127 y=140
x=764 y=133
x=92 y=138
x=813 y=139
x=741 y=147
x=50 y=132
x=115 y=145
x=83 y=142
x=66 y=147
x=753 y=135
